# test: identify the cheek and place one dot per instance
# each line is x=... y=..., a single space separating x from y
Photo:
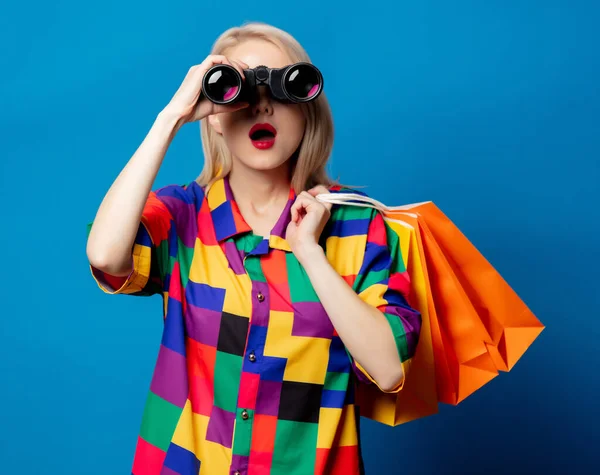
x=294 y=122
x=232 y=127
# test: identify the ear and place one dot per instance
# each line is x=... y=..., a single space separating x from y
x=213 y=120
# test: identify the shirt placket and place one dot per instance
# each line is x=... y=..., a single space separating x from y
x=244 y=420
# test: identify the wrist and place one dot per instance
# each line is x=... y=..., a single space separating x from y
x=310 y=255
x=170 y=119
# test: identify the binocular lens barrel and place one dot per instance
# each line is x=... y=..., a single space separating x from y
x=302 y=82
x=222 y=84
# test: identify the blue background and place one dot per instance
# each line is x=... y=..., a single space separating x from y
x=490 y=108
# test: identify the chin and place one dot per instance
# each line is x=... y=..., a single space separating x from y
x=263 y=159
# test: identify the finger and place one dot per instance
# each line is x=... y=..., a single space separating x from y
x=209 y=62
x=306 y=195
x=296 y=207
x=214 y=59
x=294 y=212
x=305 y=204
x=193 y=75
x=236 y=106
x=307 y=201
x=196 y=73
x=244 y=65
x=301 y=203
x=221 y=59
x=313 y=201
x=317 y=190
x=240 y=67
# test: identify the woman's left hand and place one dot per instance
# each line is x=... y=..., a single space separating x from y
x=309 y=217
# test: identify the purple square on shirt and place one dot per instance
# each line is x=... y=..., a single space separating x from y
x=310 y=319
x=184 y=218
x=170 y=377
x=267 y=399
x=235 y=258
x=220 y=427
x=239 y=462
x=202 y=324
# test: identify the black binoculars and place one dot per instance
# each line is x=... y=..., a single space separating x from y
x=297 y=83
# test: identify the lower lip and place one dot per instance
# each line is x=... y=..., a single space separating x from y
x=263 y=144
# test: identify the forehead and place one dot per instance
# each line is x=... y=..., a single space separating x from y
x=256 y=52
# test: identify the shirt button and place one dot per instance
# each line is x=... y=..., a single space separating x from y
x=245 y=414
x=252 y=357
x=260 y=297
x=237 y=472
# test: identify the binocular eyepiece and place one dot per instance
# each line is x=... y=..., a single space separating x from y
x=297 y=83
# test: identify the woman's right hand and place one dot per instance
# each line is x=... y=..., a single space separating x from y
x=185 y=105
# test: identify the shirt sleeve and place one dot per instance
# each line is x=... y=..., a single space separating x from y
x=150 y=254
x=384 y=283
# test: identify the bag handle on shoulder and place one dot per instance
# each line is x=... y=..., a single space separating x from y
x=355 y=199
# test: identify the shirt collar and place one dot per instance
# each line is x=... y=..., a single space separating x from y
x=229 y=222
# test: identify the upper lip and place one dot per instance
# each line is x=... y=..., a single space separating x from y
x=265 y=126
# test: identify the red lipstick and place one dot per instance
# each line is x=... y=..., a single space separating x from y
x=262 y=135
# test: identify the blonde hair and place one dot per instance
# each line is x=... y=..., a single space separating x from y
x=309 y=166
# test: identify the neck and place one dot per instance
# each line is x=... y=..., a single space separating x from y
x=259 y=191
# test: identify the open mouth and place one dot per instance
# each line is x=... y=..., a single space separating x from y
x=262 y=135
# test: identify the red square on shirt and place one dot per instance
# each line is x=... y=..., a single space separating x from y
x=266 y=426
x=248 y=390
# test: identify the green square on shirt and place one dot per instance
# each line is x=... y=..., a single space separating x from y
x=336 y=381
x=184 y=258
x=299 y=284
x=228 y=369
x=159 y=421
x=243 y=433
x=364 y=281
x=348 y=213
x=295 y=444
x=247 y=242
x=252 y=266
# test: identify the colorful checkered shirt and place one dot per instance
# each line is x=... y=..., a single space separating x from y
x=251 y=376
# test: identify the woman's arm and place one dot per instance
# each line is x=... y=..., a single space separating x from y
x=116 y=223
x=364 y=329
x=372 y=316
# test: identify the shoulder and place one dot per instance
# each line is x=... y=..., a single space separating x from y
x=350 y=211
x=186 y=193
x=352 y=221
x=179 y=196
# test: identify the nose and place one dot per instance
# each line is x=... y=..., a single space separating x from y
x=263 y=104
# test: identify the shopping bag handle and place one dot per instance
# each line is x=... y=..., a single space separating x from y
x=355 y=199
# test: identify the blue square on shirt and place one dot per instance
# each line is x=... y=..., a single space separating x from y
x=272 y=368
x=256 y=345
x=333 y=398
x=205 y=296
x=181 y=460
x=173 y=336
x=223 y=221
x=339 y=361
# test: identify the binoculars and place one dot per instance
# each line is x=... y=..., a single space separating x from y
x=293 y=84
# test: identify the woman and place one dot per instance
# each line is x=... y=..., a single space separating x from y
x=275 y=304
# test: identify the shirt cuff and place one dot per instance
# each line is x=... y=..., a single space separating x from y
x=395 y=389
x=134 y=282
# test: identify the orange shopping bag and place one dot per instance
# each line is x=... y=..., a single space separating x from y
x=473 y=324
